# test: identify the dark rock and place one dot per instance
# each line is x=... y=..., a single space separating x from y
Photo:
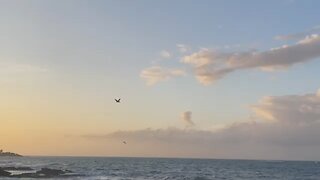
x=68 y=171
x=50 y=172
x=44 y=172
x=11 y=168
x=4 y=173
x=47 y=173
x=26 y=175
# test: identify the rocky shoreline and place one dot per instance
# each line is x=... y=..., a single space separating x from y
x=10 y=154
x=42 y=173
x=28 y=172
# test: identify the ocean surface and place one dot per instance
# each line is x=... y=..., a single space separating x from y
x=175 y=169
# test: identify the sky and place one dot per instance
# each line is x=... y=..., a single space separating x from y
x=200 y=79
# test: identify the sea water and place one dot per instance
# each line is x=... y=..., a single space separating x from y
x=170 y=168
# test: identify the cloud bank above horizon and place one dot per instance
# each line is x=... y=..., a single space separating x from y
x=281 y=123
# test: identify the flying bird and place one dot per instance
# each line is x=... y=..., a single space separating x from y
x=124 y=142
x=117 y=100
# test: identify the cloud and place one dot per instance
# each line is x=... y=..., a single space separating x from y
x=297 y=109
x=165 y=54
x=187 y=118
x=240 y=140
x=211 y=65
x=293 y=133
x=156 y=74
x=300 y=35
x=183 y=48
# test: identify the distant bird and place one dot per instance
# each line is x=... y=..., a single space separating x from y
x=124 y=142
x=117 y=100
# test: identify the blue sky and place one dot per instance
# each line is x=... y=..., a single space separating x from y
x=84 y=54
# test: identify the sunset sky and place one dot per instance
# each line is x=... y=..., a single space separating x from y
x=209 y=79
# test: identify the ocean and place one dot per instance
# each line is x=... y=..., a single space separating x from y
x=171 y=169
